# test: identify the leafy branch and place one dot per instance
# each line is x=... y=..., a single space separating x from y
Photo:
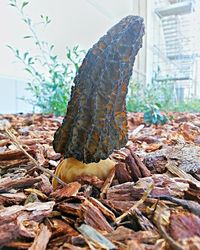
x=50 y=79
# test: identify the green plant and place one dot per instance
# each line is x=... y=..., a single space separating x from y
x=156 y=96
x=50 y=79
x=155 y=93
x=163 y=91
x=136 y=97
x=150 y=99
x=189 y=105
x=152 y=115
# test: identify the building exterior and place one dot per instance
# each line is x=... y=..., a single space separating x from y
x=175 y=53
x=170 y=52
x=170 y=46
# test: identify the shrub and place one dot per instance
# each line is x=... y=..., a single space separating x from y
x=140 y=96
x=152 y=115
x=50 y=79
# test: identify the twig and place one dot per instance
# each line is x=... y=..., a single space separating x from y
x=136 y=205
x=20 y=147
x=108 y=182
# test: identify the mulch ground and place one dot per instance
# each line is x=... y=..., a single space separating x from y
x=149 y=201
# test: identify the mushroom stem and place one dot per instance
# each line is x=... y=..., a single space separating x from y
x=70 y=169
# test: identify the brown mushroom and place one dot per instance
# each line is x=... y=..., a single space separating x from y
x=95 y=123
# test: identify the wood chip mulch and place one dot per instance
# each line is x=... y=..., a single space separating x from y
x=150 y=201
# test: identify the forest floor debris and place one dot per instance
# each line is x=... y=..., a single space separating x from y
x=150 y=201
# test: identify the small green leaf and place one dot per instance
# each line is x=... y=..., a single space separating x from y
x=10 y=47
x=24 y=4
x=51 y=48
x=25 y=55
x=28 y=70
x=53 y=58
x=17 y=52
x=27 y=20
x=26 y=37
x=158 y=105
x=30 y=60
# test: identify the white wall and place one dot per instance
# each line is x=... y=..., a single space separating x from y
x=12 y=92
x=74 y=22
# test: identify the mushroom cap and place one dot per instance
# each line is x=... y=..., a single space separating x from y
x=95 y=123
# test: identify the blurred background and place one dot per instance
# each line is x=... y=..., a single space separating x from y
x=169 y=58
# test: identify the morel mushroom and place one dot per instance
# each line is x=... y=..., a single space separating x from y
x=95 y=123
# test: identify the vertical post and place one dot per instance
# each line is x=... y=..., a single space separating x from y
x=143 y=64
